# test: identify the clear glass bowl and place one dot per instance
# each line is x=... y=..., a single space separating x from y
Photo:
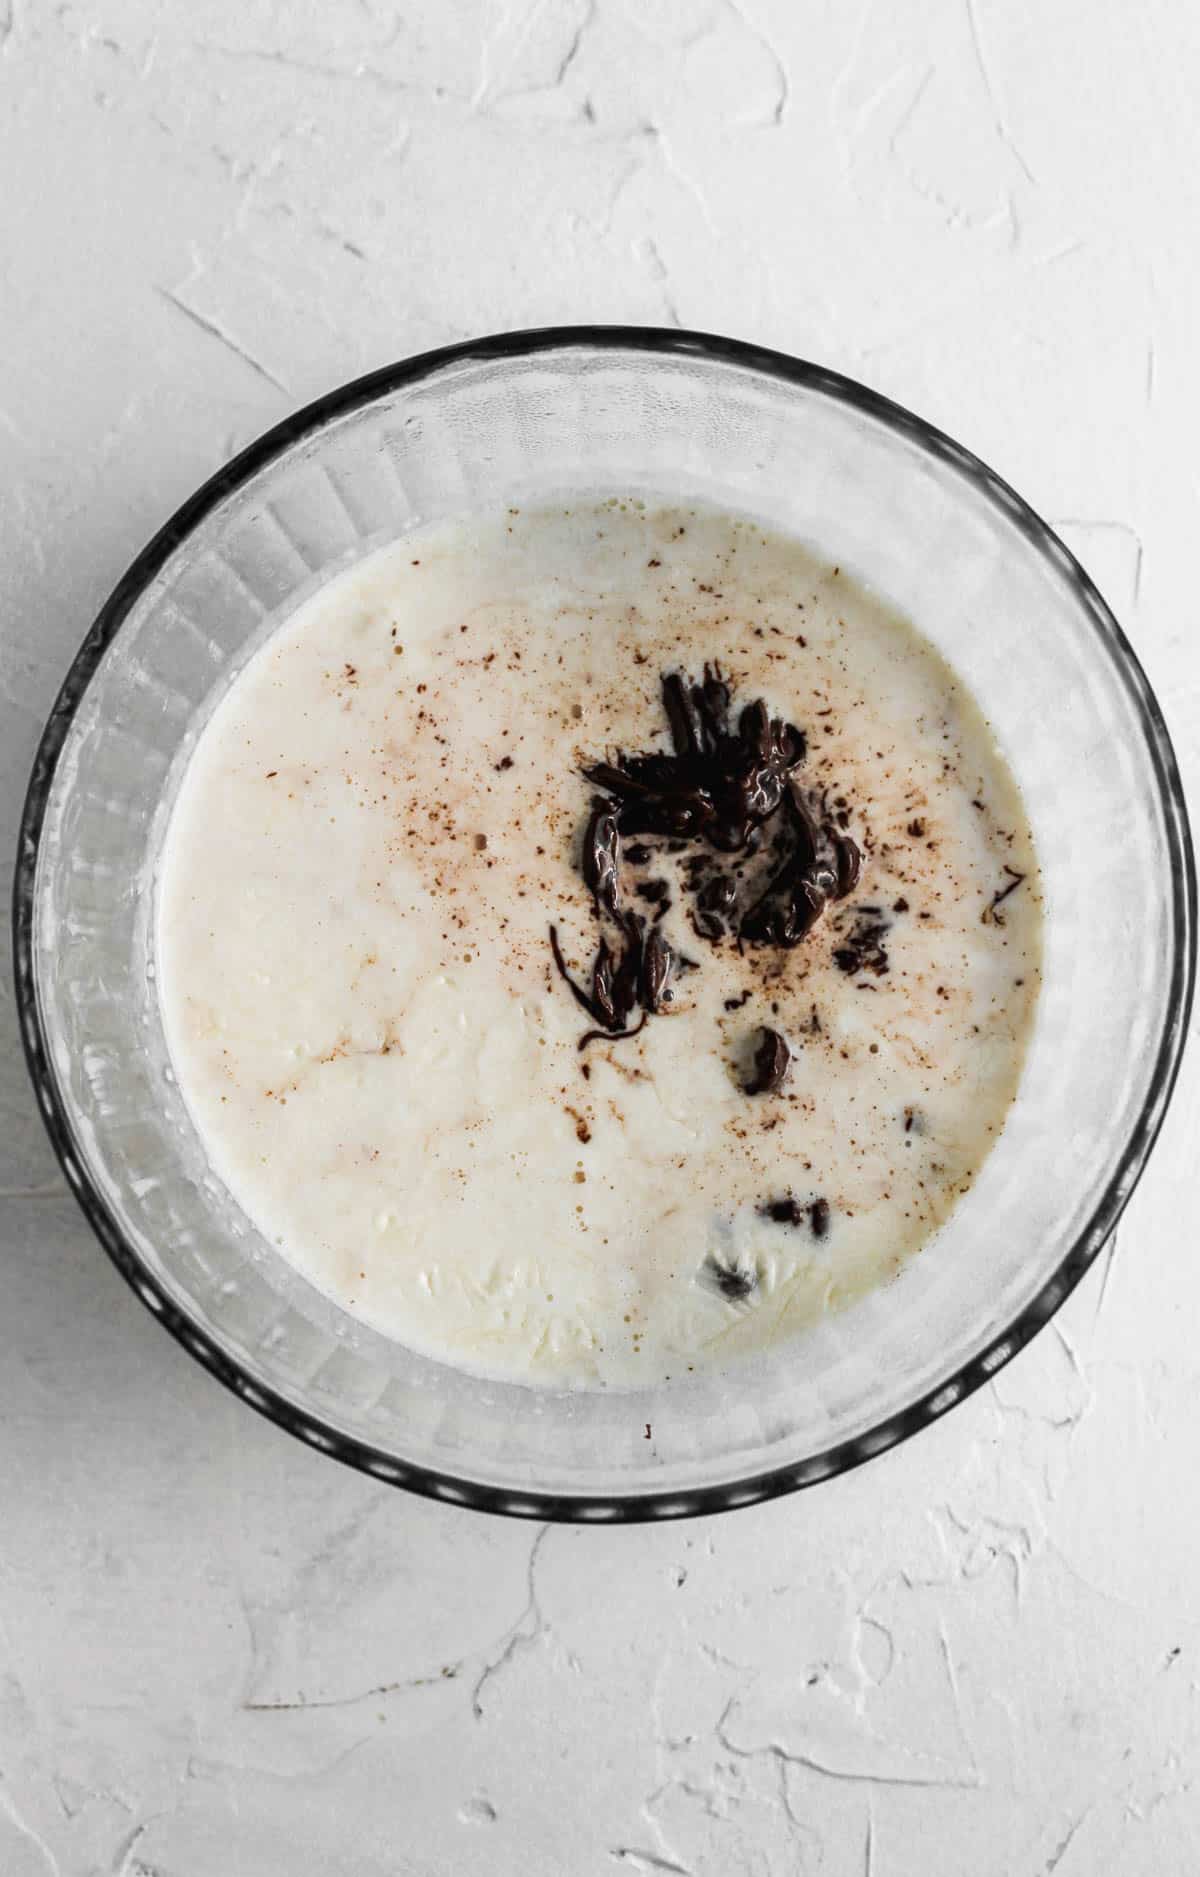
x=909 y=512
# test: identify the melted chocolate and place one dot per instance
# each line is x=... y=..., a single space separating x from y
x=789 y=1211
x=772 y=1060
x=657 y=964
x=991 y=914
x=761 y=857
x=734 y=1283
x=863 y=947
x=601 y=850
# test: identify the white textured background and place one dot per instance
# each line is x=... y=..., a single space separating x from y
x=224 y=1656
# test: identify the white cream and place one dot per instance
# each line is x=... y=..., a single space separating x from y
x=382 y=819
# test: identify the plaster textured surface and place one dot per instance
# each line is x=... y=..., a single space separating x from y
x=221 y=1655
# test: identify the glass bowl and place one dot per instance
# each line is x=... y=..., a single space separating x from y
x=913 y=515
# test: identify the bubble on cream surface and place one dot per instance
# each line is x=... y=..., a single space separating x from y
x=382 y=819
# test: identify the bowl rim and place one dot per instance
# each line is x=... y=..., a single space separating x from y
x=651 y=1503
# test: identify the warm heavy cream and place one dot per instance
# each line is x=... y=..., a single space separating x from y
x=382 y=820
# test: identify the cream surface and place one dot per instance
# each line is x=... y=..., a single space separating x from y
x=380 y=822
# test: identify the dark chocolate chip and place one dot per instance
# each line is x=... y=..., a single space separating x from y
x=734 y=1282
x=772 y=1060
